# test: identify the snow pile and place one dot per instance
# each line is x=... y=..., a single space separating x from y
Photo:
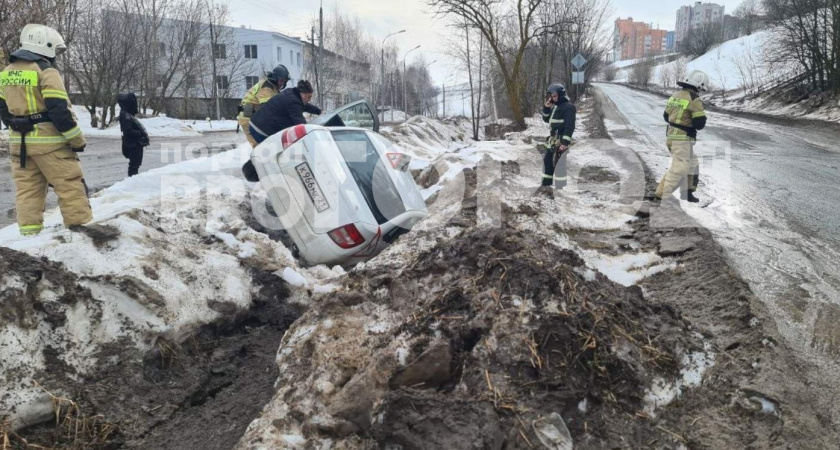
x=392 y=116
x=478 y=313
x=426 y=139
x=159 y=126
x=168 y=251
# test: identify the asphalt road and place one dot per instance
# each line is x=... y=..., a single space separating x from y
x=769 y=188
x=104 y=164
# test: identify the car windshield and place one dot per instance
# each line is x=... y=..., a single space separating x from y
x=370 y=174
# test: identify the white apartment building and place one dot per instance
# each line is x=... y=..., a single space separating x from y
x=262 y=51
x=689 y=17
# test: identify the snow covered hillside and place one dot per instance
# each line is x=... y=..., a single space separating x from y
x=738 y=64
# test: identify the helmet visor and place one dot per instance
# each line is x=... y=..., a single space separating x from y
x=60 y=49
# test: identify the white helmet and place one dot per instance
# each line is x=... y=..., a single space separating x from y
x=697 y=79
x=42 y=40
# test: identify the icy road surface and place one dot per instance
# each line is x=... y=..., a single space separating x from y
x=104 y=163
x=768 y=192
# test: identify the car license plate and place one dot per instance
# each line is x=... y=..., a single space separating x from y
x=312 y=187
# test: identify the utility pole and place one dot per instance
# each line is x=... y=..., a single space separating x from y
x=382 y=73
x=315 y=56
x=320 y=49
x=213 y=52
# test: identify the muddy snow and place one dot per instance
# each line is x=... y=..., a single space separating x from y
x=504 y=320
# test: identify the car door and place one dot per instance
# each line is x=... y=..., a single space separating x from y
x=356 y=114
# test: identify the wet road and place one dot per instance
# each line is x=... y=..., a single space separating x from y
x=104 y=164
x=768 y=187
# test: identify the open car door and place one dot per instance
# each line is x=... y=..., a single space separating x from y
x=356 y=114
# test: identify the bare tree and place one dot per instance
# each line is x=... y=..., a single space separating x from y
x=666 y=75
x=749 y=15
x=701 y=39
x=508 y=29
x=347 y=60
x=461 y=47
x=808 y=34
x=642 y=73
x=102 y=60
x=680 y=69
x=14 y=14
x=610 y=72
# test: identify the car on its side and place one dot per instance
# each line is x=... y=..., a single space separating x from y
x=340 y=189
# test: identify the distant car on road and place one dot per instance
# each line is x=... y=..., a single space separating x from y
x=341 y=190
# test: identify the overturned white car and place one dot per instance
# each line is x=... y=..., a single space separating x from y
x=343 y=193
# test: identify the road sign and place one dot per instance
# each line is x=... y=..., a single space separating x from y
x=578 y=77
x=578 y=61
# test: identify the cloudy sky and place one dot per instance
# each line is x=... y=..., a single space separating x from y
x=293 y=17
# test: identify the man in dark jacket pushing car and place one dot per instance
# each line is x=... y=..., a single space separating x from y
x=284 y=110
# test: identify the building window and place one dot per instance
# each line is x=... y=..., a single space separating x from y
x=251 y=81
x=162 y=48
x=279 y=54
x=298 y=56
x=219 y=51
x=222 y=82
x=251 y=52
x=291 y=56
x=189 y=51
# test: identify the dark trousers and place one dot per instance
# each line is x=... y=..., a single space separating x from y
x=554 y=169
x=135 y=159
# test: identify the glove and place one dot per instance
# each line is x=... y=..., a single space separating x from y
x=79 y=149
x=562 y=148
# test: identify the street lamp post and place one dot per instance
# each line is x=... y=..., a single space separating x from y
x=382 y=75
x=405 y=91
x=421 y=88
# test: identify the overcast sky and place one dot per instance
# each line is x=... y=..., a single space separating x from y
x=293 y=17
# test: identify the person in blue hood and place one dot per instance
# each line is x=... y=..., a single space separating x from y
x=134 y=135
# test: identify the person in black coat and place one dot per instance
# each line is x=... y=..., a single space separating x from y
x=134 y=135
x=284 y=110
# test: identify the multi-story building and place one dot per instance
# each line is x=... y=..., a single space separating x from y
x=633 y=40
x=670 y=41
x=343 y=80
x=261 y=51
x=690 y=17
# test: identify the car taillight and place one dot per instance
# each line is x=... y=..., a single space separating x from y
x=347 y=236
x=292 y=135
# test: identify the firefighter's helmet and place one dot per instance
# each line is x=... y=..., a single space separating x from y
x=42 y=40
x=557 y=88
x=279 y=73
x=696 y=79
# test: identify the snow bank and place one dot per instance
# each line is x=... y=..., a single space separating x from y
x=348 y=366
x=168 y=251
x=160 y=126
x=391 y=116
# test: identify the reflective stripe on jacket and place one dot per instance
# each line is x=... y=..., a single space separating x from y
x=561 y=119
x=31 y=85
x=685 y=115
x=257 y=96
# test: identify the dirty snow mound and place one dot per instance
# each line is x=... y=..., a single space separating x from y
x=482 y=335
x=425 y=138
x=169 y=252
